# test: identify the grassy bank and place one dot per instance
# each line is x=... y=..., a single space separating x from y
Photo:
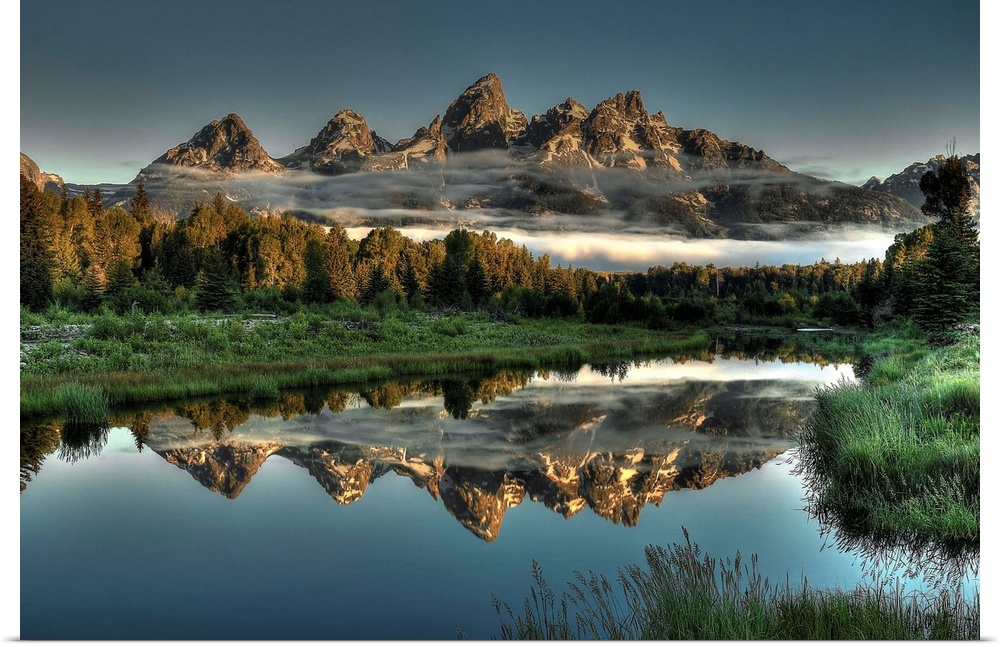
x=896 y=455
x=150 y=358
x=683 y=595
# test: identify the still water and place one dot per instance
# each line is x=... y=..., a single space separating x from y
x=398 y=511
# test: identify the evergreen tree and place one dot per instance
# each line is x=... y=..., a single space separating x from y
x=476 y=282
x=948 y=283
x=377 y=283
x=447 y=283
x=340 y=253
x=120 y=276
x=140 y=205
x=96 y=284
x=36 y=258
x=217 y=290
x=95 y=203
x=317 y=287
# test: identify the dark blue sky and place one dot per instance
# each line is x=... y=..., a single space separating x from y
x=842 y=90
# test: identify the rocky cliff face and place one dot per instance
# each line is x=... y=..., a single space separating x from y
x=426 y=146
x=340 y=147
x=226 y=145
x=906 y=183
x=558 y=136
x=620 y=133
x=44 y=181
x=344 y=472
x=706 y=151
x=481 y=119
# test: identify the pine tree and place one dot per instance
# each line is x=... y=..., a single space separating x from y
x=378 y=283
x=120 y=276
x=140 y=205
x=947 y=280
x=36 y=258
x=217 y=290
x=476 y=282
x=96 y=284
x=317 y=287
x=95 y=203
x=447 y=283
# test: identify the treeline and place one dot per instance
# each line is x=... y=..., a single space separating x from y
x=85 y=256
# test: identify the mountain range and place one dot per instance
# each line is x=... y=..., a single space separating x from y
x=614 y=167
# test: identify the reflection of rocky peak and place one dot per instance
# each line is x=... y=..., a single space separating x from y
x=906 y=183
x=340 y=147
x=707 y=467
x=225 y=145
x=481 y=119
x=557 y=485
x=342 y=470
x=617 y=487
x=44 y=181
x=425 y=475
x=225 y=467
x=479 y=499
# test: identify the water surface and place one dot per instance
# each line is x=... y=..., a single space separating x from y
x=396 y=511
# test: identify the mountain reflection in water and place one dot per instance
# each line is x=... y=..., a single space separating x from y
x=609 y=438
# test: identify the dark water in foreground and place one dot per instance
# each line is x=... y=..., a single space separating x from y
x=397 y=512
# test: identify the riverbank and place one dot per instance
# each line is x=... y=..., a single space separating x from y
x=137 y=359
x=896 y=454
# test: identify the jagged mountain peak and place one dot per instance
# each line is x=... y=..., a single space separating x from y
x=619 y=132
x=480 y=118
x=346 y=130
x=564 y=117
x=226 y=145
x=425 y=146
x=341 y=146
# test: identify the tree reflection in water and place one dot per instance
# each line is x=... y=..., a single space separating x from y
x=81 y=440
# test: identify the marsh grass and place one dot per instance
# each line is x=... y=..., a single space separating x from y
x=898 y=452
x=135 y=360
x=82 y=403
x=682 y=594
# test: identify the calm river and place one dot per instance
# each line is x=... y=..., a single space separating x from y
x=398 y=512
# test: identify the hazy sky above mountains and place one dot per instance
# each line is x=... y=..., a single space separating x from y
x=840 y=90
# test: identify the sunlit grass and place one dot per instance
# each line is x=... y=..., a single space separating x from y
x=898 y=453
x=136 y=360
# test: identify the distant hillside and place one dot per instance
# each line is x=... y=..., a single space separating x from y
x=906 y=183
x=44 y=181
